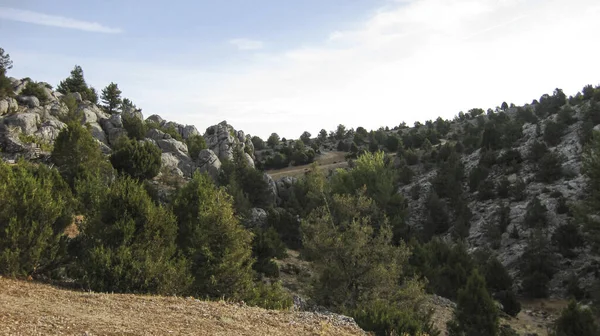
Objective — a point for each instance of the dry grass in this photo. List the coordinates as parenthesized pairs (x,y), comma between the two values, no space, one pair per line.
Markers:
(28,308)
(327,161)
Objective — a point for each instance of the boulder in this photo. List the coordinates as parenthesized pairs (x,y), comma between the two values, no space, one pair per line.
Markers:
(27,122)
(136,113)
(156,135)
(208,162)
(274,197)
(76,96)
(188,131)
(156,118)
(172,145)
(29,101)
(49,130)
(249,160)
(19,85)
(179,161)
(3,107)
(88,116)
(98,132)
(58,109)
(257,218)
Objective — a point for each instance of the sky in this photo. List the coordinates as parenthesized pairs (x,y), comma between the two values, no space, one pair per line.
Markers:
(290,66)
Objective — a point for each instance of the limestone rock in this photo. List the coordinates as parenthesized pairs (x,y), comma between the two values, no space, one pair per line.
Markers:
(223,139)
(49,130)
(29,101)
(179,161)
(27,122)
(98,132)
(114,134)
(257,218)
(272,188)
(156,118)
(172,145)
(208,162)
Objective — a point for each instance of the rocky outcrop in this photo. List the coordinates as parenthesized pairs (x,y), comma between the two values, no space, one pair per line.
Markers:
(257,218)
(208,162)
(274,198)
(49,130)
(223,140)
(27,122)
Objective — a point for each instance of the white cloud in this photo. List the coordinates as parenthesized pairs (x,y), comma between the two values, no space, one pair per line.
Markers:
(246,44)
(413,61)
(53,20)
(416,61)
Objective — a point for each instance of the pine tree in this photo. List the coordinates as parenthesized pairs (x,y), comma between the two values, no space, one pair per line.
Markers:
(111,97)
(76,83)
(212,238)
(5,62)
(475,313)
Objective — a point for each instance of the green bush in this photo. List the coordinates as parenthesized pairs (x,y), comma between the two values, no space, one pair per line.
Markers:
(267,245)
(136,128)
(138,159)
(258,143)
(566,238)
(266,296)
(535,216)
(518,191)
(549,168)
(485,191)
(553,133)
(537,150)
(129,246)
(537,266)
(475,312)
(77,155)
(214,241)
(576,321)
(196,144)
(36,90)
(383,319)
(35,208)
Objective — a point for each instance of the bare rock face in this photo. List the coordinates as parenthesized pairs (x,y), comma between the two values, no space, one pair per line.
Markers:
(223,140)
(49,130)
(274,196)
(208,162)
(257,218)
(29,101)
(8,105)
(27,122)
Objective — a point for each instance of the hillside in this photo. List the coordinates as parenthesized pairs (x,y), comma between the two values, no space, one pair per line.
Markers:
(28,308)
(487,221)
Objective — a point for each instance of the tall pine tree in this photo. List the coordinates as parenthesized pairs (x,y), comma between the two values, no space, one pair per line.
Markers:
(111,97)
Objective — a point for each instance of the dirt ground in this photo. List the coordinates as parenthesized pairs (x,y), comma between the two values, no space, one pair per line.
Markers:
(29,308)
(326,161)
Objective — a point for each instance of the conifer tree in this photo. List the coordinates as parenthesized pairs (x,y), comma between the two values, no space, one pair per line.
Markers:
(76,83)
(111,97)
(475,313)
(212,238)
(576,321)
(77,154)
(35,208)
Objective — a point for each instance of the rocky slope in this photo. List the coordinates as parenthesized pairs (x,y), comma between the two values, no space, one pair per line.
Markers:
(28,128)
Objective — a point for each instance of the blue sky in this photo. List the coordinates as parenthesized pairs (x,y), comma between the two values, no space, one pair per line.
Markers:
(288,66)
